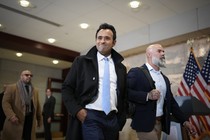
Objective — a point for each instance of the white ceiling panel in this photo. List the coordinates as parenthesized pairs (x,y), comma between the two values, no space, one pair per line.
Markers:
(60,19)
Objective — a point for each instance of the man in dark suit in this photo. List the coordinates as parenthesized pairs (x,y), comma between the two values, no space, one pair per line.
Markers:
(48,114)
(83,86)
(150,90)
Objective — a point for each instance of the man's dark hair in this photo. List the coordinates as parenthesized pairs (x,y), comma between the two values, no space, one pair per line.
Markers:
(107,26)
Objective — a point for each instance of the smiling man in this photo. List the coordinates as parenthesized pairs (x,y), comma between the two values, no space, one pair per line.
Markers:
(94,91)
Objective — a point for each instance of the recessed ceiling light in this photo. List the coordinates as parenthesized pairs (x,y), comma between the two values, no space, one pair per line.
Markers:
(55,61)
(135,4)
(24,3)
(2,27)
(51,40)
(19,54)
(84,25)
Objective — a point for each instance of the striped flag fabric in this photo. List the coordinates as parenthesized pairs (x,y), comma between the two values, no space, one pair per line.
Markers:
(191,70)
(201,90)
(206,75)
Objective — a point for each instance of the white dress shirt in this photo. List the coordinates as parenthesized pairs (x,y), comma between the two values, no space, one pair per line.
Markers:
(97,105)
(160,85)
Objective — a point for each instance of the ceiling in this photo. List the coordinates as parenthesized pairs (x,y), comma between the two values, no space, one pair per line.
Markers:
(60,19)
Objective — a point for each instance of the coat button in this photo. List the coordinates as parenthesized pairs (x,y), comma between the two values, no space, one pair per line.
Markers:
(94,78)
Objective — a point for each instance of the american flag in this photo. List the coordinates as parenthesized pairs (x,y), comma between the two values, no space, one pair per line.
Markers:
(191,70)
(201,90)
(205,72)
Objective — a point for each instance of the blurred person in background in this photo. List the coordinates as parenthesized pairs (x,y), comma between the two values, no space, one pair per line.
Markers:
(48,114)
(22,109)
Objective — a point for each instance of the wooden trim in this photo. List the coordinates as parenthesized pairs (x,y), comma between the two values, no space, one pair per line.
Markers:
(12,42)
(61,118)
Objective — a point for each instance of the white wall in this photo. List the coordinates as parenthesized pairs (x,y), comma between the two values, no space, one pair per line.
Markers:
(179,24)
(187,22)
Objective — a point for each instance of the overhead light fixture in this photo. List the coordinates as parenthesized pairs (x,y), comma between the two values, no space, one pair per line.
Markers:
(19,54)
(84,25)
(24,3)
(135,4)
(1,27)
(55,62)
(51,40)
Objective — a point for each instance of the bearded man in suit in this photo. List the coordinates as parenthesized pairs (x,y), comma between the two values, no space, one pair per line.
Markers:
(149,89)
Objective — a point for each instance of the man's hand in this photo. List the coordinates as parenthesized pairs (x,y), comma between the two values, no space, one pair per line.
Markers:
(49,120)
(190,128)
(81,115)
(154,94)
(14,120)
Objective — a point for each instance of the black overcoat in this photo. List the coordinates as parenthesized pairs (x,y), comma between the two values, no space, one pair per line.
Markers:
(81,87)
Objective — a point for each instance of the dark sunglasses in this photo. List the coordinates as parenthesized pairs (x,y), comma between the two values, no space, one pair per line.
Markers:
(28,75)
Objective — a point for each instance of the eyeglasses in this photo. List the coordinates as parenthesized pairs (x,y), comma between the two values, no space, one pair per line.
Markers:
(28,75)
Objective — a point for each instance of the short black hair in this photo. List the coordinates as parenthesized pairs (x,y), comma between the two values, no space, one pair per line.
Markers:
(107,26)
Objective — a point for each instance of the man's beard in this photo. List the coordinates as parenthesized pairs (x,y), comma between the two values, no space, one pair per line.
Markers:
(159,62)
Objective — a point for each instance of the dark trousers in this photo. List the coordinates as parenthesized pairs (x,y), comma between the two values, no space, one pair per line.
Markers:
(28,126)
(99,126)
(47,129)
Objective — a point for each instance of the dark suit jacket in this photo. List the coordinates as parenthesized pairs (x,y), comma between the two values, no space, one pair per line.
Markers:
(144,117)
(48,108)
(81,87)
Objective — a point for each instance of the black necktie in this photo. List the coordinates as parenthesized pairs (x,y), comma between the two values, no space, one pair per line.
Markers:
(27,88)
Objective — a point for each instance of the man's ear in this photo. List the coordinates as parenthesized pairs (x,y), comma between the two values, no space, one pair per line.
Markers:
(148,54)
(114,42)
